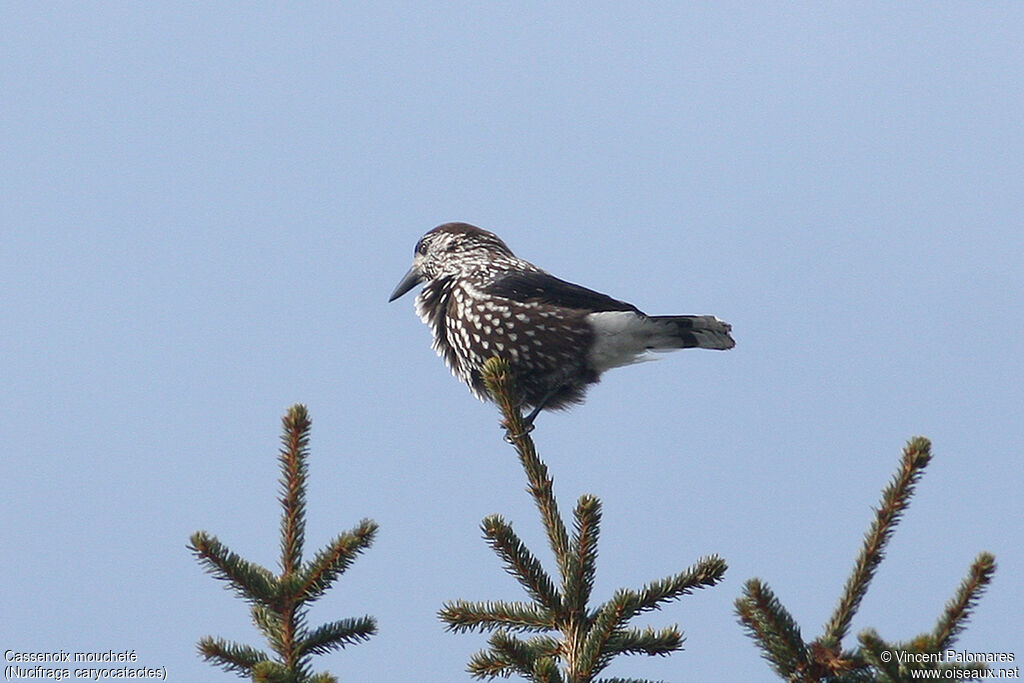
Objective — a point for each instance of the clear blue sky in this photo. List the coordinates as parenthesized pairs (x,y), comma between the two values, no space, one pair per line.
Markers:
(205,206)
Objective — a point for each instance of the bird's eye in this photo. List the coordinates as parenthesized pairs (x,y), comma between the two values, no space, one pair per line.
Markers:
(421,248)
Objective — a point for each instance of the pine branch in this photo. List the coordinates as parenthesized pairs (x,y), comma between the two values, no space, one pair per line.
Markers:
(871,649)
(247,579)
(583,559)
(895,498)
(611,617)
(958,610)
(491,664)
(625,604)
(772,628)
(545,670)
(509,655)
(270,624)
(875,661)
(272,672)
(951,623)
(278,603)
(293,457)
(646,641)
(501,385)
(337,634)
(593,655)
(462,616)
(332,561)
(232,657)
(707,572)
(588,639)
(833,664)
(890,669)
(323,678)
(521,563)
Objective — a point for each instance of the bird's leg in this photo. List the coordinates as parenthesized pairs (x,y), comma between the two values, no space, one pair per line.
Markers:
(528,420)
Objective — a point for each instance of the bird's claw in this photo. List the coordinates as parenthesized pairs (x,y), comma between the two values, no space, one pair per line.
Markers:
(511,437)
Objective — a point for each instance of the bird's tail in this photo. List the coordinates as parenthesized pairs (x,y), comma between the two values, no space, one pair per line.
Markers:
(691,331)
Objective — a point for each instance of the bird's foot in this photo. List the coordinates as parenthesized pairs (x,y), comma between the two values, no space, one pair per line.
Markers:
(512,437)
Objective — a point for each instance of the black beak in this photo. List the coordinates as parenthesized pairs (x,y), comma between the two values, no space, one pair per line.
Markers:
(411,279)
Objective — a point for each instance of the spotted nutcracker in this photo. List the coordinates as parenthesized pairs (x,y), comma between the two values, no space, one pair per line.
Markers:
(481,301)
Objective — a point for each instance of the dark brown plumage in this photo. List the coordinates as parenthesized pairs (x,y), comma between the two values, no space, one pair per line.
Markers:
(480,301)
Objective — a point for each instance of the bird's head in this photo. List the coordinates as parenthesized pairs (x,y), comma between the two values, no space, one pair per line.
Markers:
(452,250)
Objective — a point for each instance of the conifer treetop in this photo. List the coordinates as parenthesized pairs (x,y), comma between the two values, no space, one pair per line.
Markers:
(778,636)
(278,602)
(566,640)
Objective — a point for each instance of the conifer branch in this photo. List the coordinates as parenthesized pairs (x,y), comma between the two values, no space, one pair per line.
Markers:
(891,669)
(588,639)
(601,641)
(707,572)
(875,661)
(233,657)
(520,562)
(871,649)
(895,498)
(583,564)
(645,641)
(462,616)
(293,459)
(338,634)
(958,610)
(329,563)
(594,655)
(247,579)
(497,662)
(772,628)
(509,655)
(270,624)
(501,385)
(271,672)
(545,670)
(323,678)
(278,603)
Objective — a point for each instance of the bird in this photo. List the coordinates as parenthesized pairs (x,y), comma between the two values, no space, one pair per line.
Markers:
(480,300)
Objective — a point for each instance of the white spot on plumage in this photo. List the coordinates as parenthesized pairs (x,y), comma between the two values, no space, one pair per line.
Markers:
(471,300)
